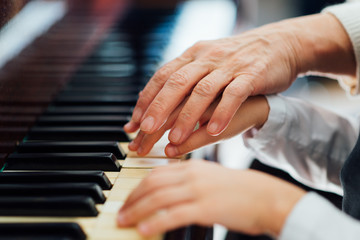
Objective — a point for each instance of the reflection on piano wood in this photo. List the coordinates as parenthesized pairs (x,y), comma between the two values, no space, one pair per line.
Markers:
(63,101)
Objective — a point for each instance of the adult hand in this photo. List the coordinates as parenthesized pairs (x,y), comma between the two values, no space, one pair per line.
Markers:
(199,192)
(253,113)
(261,61)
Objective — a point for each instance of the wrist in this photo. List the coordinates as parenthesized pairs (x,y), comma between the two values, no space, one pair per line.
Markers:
(264,109)
(322,45)
(280,206)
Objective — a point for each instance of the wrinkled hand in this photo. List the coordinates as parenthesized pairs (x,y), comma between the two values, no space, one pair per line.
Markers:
(253,113)
(261,61)
(199,192)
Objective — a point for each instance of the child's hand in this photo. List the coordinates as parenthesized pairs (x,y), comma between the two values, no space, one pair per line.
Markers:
(199,192)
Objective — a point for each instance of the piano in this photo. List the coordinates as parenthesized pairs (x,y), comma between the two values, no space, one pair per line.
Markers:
(70,72)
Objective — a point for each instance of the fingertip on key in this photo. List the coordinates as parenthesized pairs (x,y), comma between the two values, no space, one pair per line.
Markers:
(133,146)
(141,151)
(131,127)
(128,126)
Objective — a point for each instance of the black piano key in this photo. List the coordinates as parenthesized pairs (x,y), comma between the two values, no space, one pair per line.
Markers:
(89,110)
(85,120)
(69,147)
(97,177)
(80,206)
(53,189)
(62,161)
(41,231)
(78,134)
(121,100)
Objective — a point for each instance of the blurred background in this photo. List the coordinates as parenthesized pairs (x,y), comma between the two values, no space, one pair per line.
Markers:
(181,24)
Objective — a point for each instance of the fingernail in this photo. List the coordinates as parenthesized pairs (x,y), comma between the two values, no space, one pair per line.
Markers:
(137,114)
(148,124)
(172,151)
(175,135)
(213,128)
(144,228)
(128,125)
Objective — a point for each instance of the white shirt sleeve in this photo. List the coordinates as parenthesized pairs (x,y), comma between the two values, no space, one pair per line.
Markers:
(308,142)
(349,16)
(314,218)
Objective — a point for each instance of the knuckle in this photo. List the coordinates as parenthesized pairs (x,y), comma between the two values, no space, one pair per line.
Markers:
(225,113)
(185,57)
(186,116)
(199,45)
(157,107)
(262,67)
(144,99)
(249,86)
(259,69)
(262,40)
(218,51)
(162,74)
(233,91)
(204,88)
(178,80)
(236,89)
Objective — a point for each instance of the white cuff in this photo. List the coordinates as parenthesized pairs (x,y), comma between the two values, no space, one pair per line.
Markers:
(314,218)
(274,122)
(349,16)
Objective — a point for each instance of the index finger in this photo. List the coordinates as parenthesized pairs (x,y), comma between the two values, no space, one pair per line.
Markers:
(155,84)
(167,176)
(173,92)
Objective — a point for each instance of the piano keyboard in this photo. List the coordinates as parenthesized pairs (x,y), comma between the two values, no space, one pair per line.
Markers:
(63,102)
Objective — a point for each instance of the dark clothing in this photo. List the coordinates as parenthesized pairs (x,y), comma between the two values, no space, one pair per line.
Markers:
(350,180)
